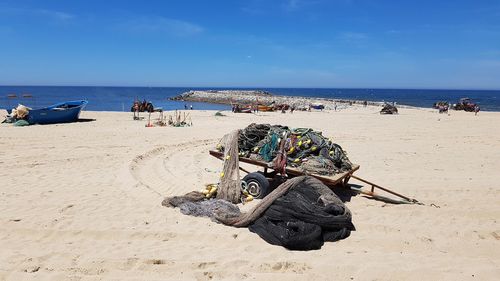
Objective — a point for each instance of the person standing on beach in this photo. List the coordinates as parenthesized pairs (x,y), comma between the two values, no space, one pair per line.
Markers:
(476,109)
(191,107)
(335,106)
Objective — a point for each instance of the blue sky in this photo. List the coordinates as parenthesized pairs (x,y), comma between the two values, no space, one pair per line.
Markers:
(252,43)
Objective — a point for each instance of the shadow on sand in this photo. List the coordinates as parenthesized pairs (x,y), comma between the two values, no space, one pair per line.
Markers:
(85,120)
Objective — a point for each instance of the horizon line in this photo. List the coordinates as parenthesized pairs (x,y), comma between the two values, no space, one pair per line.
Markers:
(264,87)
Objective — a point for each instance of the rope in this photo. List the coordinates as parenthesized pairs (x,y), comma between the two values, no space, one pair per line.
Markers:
(230,185)
(247,218)
(281,159)
(268,149)
(301,131)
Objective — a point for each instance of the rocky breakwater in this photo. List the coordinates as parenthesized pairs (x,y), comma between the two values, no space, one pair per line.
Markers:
(225,96)
(247,97)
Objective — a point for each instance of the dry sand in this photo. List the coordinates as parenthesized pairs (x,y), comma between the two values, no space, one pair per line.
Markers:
(82,201)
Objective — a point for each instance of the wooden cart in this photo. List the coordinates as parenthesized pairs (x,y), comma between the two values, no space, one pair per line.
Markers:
(259,184)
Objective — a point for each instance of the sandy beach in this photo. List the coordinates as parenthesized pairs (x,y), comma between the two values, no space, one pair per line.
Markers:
(82,201)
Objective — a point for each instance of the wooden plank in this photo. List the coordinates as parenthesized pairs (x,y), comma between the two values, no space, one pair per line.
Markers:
(330,180)
(221,157)
(384,189)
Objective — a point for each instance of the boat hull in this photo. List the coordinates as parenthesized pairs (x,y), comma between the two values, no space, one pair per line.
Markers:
(64,112)
(265,108)
(318,106)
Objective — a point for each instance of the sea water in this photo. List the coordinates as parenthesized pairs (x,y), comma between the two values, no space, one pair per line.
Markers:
(121,98)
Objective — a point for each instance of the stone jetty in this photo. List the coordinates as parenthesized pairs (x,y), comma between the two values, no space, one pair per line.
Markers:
(248,97)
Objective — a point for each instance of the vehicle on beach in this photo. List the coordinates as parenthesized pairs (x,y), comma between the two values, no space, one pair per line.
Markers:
(389,109)
(259,184)
(63,112)
(284,153)
(465,104)
(143,106)
(442,106)
(438,104)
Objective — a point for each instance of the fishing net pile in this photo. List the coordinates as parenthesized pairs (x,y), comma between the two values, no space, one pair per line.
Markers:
(18,116)
(300,214)
(196,204)
(388,109)
(302,148)
(305,217)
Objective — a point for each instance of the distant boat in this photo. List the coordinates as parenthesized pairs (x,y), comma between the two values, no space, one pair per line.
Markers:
(246,110)
(262,107)
(63,112)
(317,106)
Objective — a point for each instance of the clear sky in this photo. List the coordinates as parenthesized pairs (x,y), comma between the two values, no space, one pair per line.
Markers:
(254,43)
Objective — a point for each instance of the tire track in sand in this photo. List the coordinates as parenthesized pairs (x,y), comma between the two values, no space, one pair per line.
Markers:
(162,170)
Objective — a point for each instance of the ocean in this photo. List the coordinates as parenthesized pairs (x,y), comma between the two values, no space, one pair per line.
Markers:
(121,98)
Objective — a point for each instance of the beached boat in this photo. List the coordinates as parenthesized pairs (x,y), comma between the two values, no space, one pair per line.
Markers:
(262,107)
(242,108)
(319,106)
(246,110)
(63,112)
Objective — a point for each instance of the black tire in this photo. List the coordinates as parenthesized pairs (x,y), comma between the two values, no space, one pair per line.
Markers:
(257,185)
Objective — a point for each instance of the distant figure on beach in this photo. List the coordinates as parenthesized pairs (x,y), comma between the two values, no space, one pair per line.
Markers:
(191,107)
(443,108)
(185,106)
(365,103)
(292,108)
(335,106)
(476,109)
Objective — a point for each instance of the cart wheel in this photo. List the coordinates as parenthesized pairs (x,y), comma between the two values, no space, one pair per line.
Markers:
(257,185)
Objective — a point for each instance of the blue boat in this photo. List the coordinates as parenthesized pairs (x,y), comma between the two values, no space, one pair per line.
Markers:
(317,106)
(63,112)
